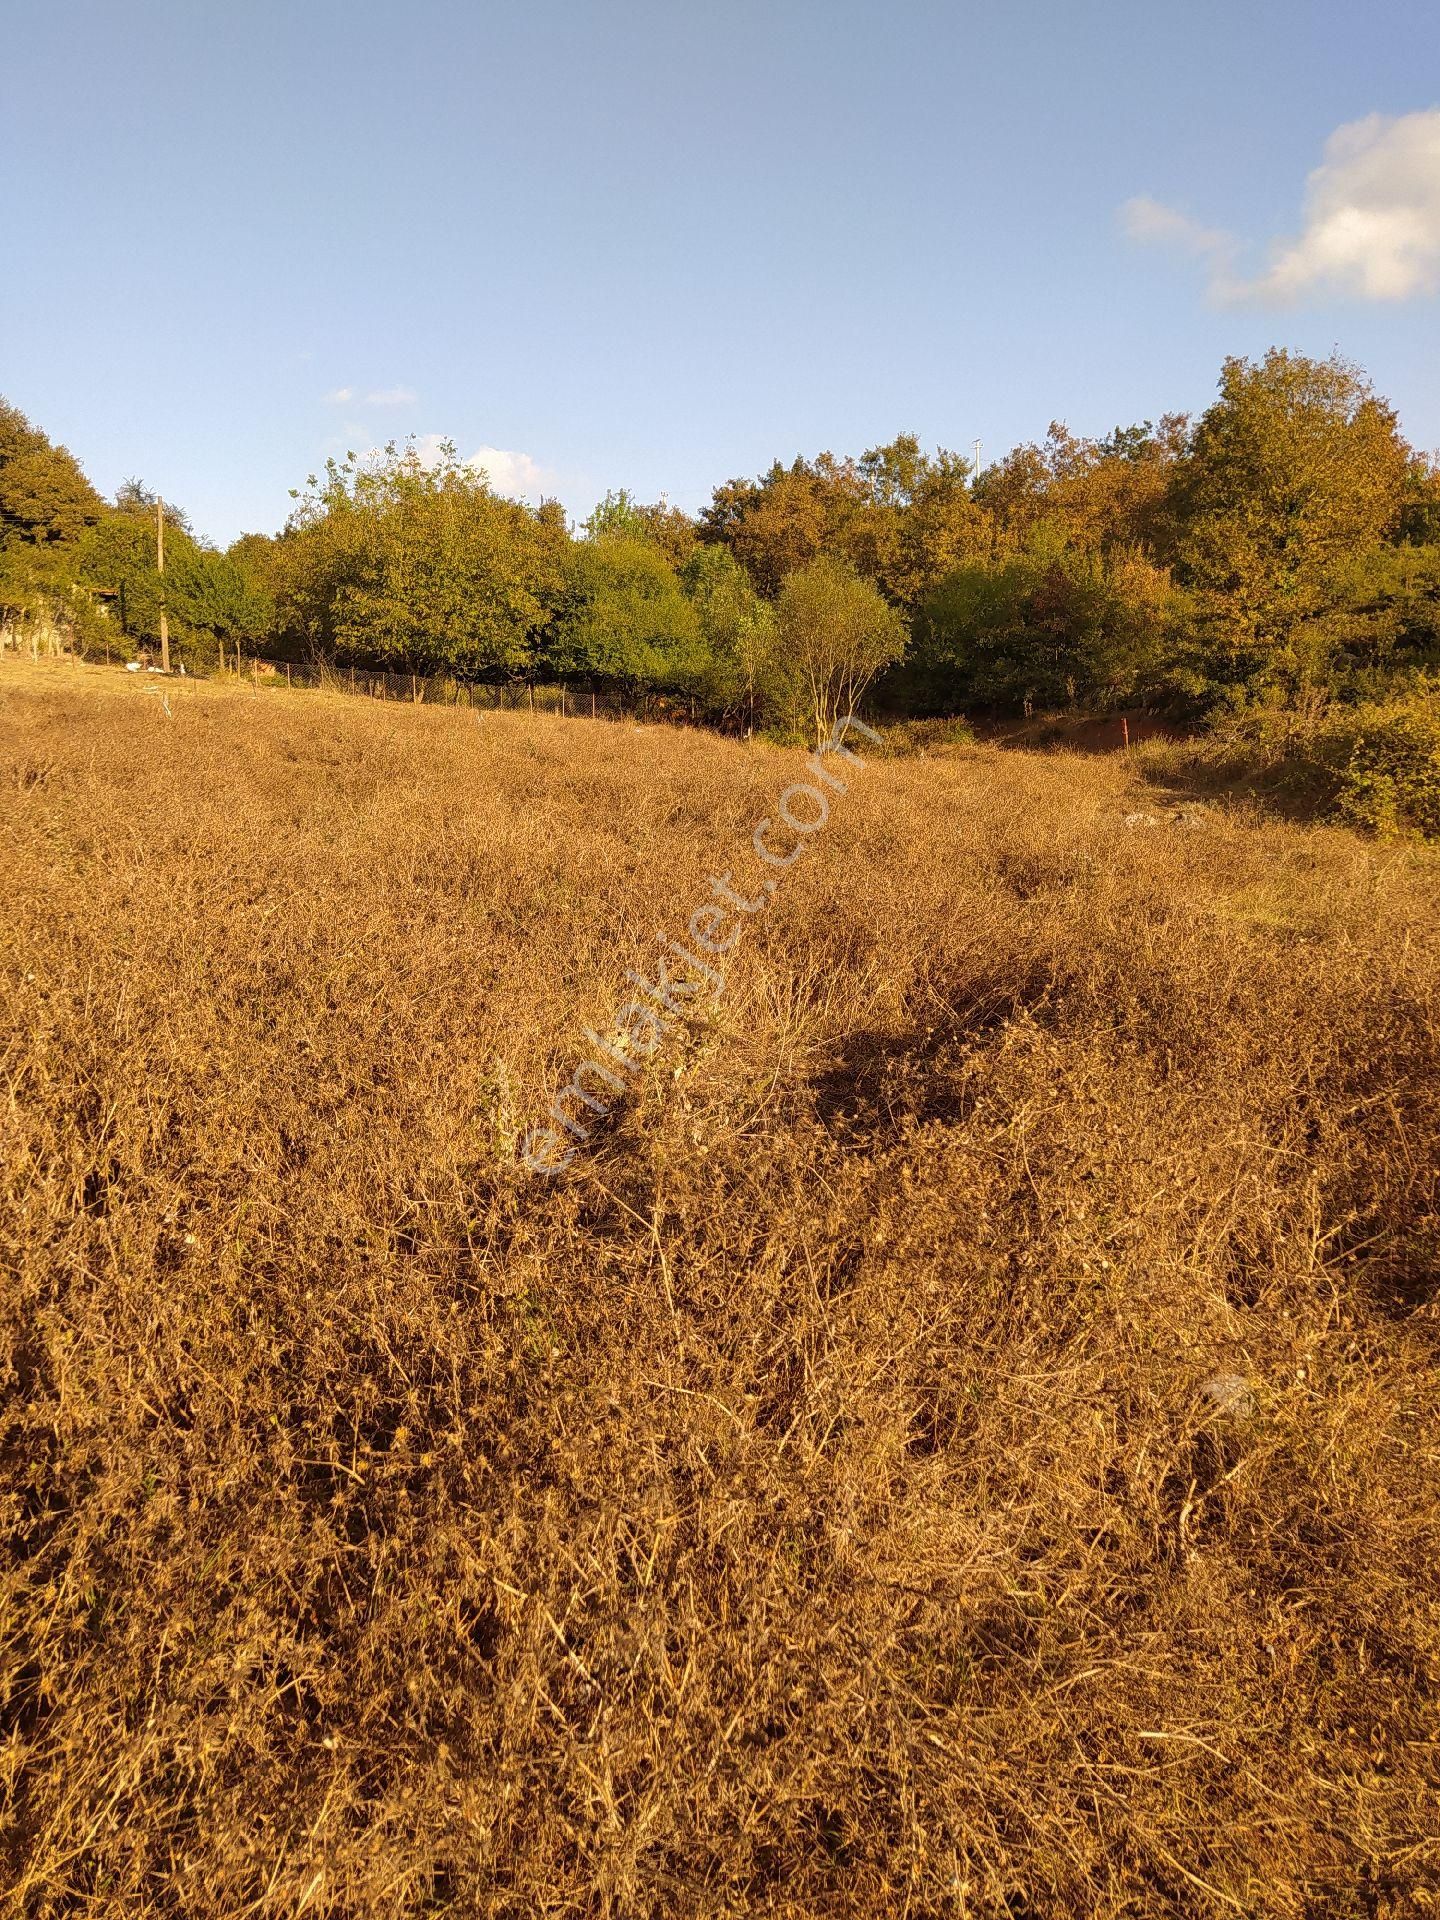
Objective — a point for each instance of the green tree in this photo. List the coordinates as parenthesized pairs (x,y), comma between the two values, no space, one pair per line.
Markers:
(668,529)
(46,504)
(208,598)
(404,563)
(45,499)
(1295,470)
(919,520)
(1094,496)
(1048,627)
(743,675)
(902,517)
(133,496)
(623,620)
(782,522)
(837,632)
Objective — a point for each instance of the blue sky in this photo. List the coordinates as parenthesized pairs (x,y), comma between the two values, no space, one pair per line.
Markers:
(656,245)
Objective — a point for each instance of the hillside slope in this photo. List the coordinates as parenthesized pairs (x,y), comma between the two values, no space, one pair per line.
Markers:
(958,1437)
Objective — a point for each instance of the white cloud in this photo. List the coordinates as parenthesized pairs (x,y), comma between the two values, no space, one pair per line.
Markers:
(519,476)
(377,397)
(515,474)
(1370,221)
(1151,222)
(1372,214)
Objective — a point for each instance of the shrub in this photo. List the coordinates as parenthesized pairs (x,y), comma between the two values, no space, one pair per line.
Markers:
(1388,762)
(1375,765)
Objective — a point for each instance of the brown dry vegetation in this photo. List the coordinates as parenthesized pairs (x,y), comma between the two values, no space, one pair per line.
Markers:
(814,1504)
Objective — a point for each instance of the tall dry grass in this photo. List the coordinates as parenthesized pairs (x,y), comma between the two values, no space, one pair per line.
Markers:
(962,1444)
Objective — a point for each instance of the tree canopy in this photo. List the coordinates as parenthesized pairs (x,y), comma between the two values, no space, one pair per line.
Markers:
(399,562)
(1287,540)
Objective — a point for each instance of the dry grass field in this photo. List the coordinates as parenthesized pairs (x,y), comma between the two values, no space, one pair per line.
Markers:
(959,1441)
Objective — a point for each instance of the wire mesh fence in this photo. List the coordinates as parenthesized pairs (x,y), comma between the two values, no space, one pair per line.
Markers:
(563,698)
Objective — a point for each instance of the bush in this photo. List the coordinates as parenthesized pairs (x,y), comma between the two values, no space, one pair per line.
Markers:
(623,620)
(1388,765)
(928,736)
(1374,765)
(1050,627)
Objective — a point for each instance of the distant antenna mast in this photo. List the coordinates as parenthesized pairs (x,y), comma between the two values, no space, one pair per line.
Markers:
(975,470)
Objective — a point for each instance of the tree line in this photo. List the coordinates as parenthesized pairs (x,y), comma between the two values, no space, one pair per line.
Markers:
(1282,545)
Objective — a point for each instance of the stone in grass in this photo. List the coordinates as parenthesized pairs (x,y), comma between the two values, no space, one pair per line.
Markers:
(1231,1395)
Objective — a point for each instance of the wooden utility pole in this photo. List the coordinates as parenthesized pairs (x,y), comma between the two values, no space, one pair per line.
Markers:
(160,569)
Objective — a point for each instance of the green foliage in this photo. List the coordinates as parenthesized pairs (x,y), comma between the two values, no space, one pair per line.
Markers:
(1095,496)
(624,621)
(665,527)
(837,631)
(1046,628)
(779,524)
(44,497)
(1373,764)
(1284,548)
(743,677)
(208,597)
(1384,616)
(1294,470)
(900,516)
(394,562)
(133,496)
(1387,759)
(46,504)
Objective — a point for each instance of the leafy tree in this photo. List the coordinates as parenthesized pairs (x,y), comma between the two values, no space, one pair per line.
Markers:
(402,563)
(919,520)
(901,516)
(207,597)
(254,555)
(743,675)
(837,631)
(1051,627)
(1420,507)
(133,496)
(779,524)
(1095,496)
(1384,616)
(623,620)
(45,499)
(46,503)
(667,528)
(1296,469)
